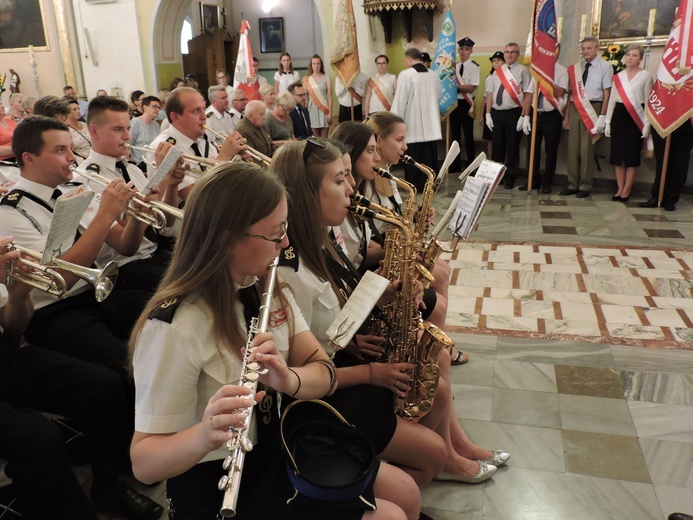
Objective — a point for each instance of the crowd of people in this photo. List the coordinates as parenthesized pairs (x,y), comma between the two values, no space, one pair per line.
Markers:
(148,374)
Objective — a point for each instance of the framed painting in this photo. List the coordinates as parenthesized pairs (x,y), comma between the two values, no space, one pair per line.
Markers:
(624,22)
(209,17)
(22,24)
(271,35)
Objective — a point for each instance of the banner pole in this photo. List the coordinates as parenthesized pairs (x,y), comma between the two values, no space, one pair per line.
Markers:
(665,167)
(533,139)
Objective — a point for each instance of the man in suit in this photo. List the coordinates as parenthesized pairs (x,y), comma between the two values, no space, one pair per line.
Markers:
(300,115)
(252,127)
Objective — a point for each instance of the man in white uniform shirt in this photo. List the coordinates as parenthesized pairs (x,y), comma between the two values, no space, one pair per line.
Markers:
(506,116)
(238,99)
(353,96)
(380,89)
(416,101)
(596,77)
(462,118)
(218,119)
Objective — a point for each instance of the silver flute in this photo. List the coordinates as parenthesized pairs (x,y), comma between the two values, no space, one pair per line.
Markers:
(250,373)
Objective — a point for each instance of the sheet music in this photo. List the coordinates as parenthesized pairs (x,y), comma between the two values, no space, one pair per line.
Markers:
(69,209)
(452,153)
(357,308)
(473,193)
(491,171)
(473,166)
(169,162)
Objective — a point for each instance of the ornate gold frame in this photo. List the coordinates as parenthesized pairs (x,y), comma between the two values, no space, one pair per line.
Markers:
(46,47)
(606,40)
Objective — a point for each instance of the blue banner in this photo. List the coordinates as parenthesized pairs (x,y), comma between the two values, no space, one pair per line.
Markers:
(444,65)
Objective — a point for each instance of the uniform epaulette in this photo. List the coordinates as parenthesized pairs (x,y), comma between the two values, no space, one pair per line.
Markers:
(12,198)
(289,257)
(475,63)
(209,114)
(171,140)
(166,310)
(72,183)
(94,168)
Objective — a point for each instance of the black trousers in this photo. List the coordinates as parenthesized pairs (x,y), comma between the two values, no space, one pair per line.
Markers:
(345,113)
(679,162)
(548,127)
(91,396)
(425,153)
(506,141)
(462,123)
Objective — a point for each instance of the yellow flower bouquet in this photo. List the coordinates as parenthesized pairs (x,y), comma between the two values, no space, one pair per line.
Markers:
(614,55)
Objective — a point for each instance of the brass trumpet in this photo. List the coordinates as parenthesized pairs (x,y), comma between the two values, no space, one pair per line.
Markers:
(191,160)
(159,210)
(49,280)
(257,156)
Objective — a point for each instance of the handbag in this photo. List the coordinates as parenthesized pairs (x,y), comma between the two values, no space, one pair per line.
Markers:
(327,459)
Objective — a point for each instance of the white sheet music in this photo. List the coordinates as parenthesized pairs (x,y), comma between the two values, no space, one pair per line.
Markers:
(356,310)
(69,209)
(465,215)
(169,162)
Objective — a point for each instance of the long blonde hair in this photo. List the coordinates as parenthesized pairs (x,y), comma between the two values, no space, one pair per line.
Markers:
(221,208)
(382,124)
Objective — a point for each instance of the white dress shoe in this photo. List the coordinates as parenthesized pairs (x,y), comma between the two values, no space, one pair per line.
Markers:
(499,458)
(485,472)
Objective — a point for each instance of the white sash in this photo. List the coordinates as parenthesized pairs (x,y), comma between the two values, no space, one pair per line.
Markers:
(465,95)
(510,83)
(582,104)
(636,111)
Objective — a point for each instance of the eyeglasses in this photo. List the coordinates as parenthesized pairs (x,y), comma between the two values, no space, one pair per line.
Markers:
(311,144)
(381,63)
(275,240)
(156,107)
(511,52)
(301,95)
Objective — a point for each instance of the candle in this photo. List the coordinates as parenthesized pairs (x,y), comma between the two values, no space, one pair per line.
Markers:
(651,22)
(31,52)
(583,27)
(559,29)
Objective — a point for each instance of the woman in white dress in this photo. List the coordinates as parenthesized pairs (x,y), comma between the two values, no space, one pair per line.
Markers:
(286,75)
(319,89)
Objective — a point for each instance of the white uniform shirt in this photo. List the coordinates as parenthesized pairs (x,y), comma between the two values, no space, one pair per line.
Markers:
(640,86)
(184,143)
(416,101)
(384,201)
(315,298)
(219,122)
(179,366)
(389,81)
(344,97)
(599,77)
(32,233)
(107,168)
(285,79)
(560,79)
(353,237)
(470,76)
(523,78)
(236,117)
(9,175)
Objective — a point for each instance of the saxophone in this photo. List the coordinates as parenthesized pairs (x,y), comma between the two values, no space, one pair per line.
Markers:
(401,321)
(250,372)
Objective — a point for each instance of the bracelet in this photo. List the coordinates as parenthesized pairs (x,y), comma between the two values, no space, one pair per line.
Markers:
(370,365)
(299,382)
(333,375)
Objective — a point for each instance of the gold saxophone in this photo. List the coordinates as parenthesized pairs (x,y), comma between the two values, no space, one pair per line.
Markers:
(410,339)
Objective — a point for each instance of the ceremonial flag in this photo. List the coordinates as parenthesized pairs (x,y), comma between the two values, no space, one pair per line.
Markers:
(444,65)
(686,48)
(544,47)
(345,48)
(670,103)
(244,75)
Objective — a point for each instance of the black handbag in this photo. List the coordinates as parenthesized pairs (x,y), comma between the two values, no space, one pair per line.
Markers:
(328,460)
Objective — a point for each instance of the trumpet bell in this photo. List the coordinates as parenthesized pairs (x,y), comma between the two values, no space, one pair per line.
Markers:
(103,280)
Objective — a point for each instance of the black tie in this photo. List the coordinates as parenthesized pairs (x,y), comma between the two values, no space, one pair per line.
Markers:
(499,94)
(196,149)
(56,194)
(123,170)
(461,69)
(250,300)
(540,102)
(584,73)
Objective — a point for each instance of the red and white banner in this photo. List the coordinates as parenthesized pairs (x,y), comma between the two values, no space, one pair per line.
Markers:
(545,47)
(671,99)
(582,104)
(243,75)
(686,48)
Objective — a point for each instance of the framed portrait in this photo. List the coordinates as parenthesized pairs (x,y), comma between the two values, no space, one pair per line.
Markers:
(271,34)
(209,17)
(22,24)
(625,21)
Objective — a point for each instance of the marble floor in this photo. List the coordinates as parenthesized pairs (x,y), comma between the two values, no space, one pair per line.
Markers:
(593,399)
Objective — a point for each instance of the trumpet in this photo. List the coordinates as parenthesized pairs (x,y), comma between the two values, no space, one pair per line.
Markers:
(49,280)
(159,210)
(190,160)
(257,156)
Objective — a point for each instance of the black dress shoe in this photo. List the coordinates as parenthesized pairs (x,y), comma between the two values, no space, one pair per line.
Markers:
(568,191)
(509,185)
(680,516)
(582,194)
(546,189)
(624,199)
(649,203)
(127,502)
(669,206)
(522,188)
(616,198)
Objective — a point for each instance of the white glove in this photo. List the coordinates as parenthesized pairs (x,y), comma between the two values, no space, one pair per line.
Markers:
(646,130)
(489,121)
(526,125)
(518,126)
(601,123)
(607,130)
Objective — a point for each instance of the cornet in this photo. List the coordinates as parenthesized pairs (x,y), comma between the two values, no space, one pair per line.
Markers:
(156,211)
(191,160)
(257,156)
(49,280)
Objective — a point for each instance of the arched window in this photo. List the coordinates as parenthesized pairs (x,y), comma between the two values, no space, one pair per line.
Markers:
(185,36)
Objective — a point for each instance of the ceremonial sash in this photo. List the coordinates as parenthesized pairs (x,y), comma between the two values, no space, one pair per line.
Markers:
(548,96)
(465,95)
(510,83)
(584,107)
(626,92)
(316,94)
(381,91)
(355,94)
